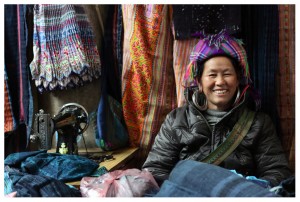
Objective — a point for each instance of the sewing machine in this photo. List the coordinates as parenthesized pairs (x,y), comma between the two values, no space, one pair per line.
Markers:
(71,121)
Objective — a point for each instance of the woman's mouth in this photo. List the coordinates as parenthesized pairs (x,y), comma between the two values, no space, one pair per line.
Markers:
(220,92)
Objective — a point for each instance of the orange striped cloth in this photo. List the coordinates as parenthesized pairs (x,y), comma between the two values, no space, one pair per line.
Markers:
(8,116)
(148,90)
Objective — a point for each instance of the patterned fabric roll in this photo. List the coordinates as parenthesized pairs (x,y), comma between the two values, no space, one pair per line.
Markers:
(65,51)
(148,90)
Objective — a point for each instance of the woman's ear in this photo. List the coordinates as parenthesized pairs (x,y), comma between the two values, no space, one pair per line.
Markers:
(199,83)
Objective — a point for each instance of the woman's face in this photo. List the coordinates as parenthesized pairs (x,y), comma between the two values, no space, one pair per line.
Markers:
(219,82)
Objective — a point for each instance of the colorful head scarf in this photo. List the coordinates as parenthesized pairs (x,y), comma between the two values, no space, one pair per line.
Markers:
(213,45)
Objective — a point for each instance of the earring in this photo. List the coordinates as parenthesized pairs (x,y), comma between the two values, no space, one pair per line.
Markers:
(199,100)
(237,97)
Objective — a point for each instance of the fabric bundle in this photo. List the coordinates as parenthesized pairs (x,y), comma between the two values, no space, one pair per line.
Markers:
(65,52)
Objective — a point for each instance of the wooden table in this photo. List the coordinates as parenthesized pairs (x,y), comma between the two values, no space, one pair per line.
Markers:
(121,158)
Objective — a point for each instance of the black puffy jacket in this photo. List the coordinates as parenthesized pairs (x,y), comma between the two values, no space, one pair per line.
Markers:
(185,134)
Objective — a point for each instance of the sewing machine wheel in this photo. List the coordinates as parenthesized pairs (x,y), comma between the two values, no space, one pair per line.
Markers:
(81,114)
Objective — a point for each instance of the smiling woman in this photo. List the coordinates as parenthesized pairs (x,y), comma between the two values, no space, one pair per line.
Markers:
(221,123)
(219,82)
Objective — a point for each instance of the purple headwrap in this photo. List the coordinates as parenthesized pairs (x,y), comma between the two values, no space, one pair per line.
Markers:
(213,45)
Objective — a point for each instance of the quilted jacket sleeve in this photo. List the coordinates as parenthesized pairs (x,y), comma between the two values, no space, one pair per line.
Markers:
(164,153)
(272,164)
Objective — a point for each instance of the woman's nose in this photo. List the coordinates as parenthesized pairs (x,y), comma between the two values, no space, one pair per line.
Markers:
(220,80)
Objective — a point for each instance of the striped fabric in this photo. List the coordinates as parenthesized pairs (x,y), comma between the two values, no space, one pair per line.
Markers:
(181,53)
(65,51)
(217,44)
(17,82)
(286,79)
(148,90)
(8,113)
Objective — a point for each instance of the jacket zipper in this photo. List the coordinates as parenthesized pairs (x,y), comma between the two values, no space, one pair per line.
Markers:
(212,147)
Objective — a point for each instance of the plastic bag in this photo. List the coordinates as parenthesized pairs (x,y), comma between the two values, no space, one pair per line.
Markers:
(120,183)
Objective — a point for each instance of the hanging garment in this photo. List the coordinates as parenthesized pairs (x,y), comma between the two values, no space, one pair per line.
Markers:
(18,115)
(111,131)
(65,52)
(148,90)
(210,19)
(111,55)
(118,39)
(181,58)
(262,50)
(286,78)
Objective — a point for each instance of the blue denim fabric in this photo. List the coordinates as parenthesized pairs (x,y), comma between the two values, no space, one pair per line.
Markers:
(61,167)
(195,179)
(27,185)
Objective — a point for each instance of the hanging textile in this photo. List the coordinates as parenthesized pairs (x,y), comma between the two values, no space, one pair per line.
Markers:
(262,49)
(118,41)
(8,114)
(17,84)
(286,79)
(148,90)
(210,19)
(271,53)
(111,55)
(111,130)
(65,52)
(181,55)
(97,15)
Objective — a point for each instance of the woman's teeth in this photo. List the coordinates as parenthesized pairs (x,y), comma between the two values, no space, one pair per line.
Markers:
(220,91)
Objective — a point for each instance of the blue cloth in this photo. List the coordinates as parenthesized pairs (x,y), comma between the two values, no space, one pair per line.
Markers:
(61,167)
(195,179)
(27,185)
(8,184)
(263,183)
(16,159)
